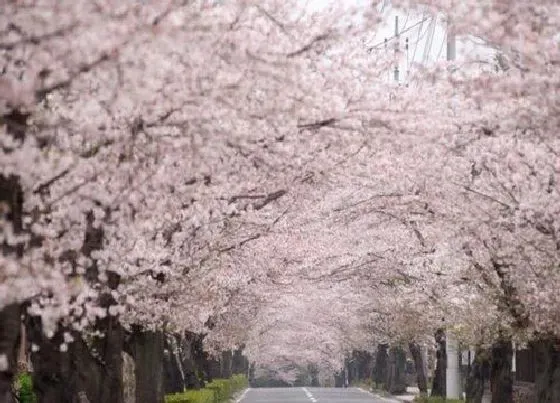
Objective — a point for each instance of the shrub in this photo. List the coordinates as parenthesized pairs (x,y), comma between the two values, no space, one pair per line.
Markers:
(436,399)
(24,387)
(222,389)
(217,391)
(192,396)
(238,382)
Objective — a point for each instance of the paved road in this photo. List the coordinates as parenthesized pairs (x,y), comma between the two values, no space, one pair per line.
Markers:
(310,395)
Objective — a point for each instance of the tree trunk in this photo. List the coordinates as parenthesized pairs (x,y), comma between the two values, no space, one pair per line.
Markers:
(238,362)
(226,364)
(11,195)
(501,379)
(350,370)
(110,347)
(69,376)
(339,379)
(174,376)
(148,358)
(396,376)
(251,372)
(476,377)
(129,379)
(62,377)
(439,383)
(370,367)
(187,360)
(381,362)
(419,365)
(361,368)
(214,366)
(313,374)
(547,380)
(9,334)
(200,358)
(22,355)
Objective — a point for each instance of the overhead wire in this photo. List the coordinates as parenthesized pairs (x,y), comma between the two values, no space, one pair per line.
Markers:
(418,39)
(429,40)
(442,43)
(405,22)
(382,43)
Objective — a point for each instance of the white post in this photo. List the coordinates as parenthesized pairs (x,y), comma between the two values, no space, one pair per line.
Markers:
(514,360)
(453,379)
(397,43)
(424,352)
(450,43)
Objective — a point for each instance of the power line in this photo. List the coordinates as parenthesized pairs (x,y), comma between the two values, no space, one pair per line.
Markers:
(418,37)
(375,47)
(441,47)
(429,40)
(405,22)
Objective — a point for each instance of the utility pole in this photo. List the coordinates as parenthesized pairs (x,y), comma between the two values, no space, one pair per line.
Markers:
(453,381)
(397,40)
(451,51)
(453,373)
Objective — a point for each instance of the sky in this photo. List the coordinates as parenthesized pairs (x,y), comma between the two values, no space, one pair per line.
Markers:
(426,37)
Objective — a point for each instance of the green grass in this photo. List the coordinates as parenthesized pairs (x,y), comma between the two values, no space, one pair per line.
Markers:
(24,387)
(436,399)
(217,391)
(192,396)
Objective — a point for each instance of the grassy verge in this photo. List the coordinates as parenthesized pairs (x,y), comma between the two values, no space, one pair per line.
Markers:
(24,388)
(436,399)
(217,391)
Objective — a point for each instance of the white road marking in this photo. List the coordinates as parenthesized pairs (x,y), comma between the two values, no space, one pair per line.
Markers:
(309,395)
(242,396)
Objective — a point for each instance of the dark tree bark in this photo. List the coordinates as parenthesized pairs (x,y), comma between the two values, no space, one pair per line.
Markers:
(215,368)
(111,386)
(60,377)
(381,364)
(9,335)
(251,372)
(148,357)
(547,381)
(476,376)
(396,376)
(190,370)
(361,366)
(226,362)
(11,206)
(439,385)
(338,379)
(90,368)
(239,362)
(501,379)
(419,365)
(369,367)
(313,372)
(200,358)
(350,370)
(173,370)
(65,377)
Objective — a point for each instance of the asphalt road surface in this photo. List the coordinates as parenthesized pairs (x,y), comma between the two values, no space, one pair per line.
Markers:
(310,395)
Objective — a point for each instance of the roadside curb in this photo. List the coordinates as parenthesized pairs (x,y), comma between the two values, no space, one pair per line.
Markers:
(238,397)
(388,399)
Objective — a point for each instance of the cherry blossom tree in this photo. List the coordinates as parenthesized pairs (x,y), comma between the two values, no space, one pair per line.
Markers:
(241,170)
